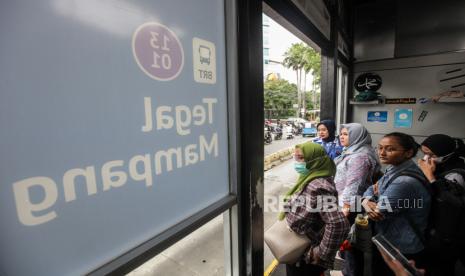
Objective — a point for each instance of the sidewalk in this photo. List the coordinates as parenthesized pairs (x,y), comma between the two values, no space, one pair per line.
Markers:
(277,181)
(202,252)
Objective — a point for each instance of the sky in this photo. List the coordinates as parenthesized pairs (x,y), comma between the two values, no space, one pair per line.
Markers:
(280,40)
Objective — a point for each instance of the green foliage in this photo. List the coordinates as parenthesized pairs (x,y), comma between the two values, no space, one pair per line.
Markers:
(280,95)
(309,96)
(302,57)
(304,60)
(313,65)
(294,56)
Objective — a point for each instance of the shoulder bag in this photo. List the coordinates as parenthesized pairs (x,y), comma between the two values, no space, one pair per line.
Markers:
(286,245)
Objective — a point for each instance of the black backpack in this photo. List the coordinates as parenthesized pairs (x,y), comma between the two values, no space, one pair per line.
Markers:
(446,221)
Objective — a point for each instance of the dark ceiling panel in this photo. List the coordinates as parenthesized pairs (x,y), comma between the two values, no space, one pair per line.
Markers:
(428,27)
(374,31)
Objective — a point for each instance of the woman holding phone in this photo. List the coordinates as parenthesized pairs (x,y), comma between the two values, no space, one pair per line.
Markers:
(442,158)
(398,202)
(444,167)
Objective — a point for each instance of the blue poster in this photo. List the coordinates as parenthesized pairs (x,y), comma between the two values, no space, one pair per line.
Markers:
(403,118)
(377,116)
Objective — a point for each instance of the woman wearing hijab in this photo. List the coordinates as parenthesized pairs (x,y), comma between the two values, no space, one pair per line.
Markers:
(444,168)
(326,226)
(355,169)
(327,138)
(442,158)
(355,166)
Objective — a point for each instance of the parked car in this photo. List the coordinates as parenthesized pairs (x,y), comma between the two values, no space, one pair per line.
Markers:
(296,120)
(309,130)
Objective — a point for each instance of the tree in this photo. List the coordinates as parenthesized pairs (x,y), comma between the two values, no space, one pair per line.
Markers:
(304,59)
(313,66)
(294,59)
(279,96)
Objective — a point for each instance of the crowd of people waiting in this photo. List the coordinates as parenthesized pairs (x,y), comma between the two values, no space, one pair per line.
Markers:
(386,184)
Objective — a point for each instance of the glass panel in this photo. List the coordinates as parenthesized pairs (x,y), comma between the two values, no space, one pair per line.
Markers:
(341,97)
(266,52)
(200,253)
(292,97)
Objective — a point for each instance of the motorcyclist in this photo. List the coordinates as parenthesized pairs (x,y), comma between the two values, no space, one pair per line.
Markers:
(268,137)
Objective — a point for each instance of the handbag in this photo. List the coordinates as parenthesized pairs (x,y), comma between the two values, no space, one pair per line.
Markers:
(286,245)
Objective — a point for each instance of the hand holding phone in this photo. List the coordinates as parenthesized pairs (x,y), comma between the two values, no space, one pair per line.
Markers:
(428,167)
(426,157)
(394,259)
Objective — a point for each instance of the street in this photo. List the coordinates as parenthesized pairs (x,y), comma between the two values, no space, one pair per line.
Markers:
(277,145)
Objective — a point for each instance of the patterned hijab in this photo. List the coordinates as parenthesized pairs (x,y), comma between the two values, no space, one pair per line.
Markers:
(359,141)
(319,165)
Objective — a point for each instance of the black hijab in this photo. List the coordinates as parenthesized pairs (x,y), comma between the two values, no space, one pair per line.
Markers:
(442,145)
(331,126)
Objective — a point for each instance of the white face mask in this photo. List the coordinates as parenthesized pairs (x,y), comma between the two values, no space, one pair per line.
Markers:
(437,160)
(442,159)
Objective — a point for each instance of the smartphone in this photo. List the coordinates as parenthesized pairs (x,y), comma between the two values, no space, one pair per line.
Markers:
(426,157)
(385,246)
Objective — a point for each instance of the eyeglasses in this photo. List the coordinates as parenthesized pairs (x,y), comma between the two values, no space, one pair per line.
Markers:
(387,149)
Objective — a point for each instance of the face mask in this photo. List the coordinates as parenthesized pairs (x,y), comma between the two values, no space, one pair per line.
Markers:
(442,159)
(437,160)
(300,168)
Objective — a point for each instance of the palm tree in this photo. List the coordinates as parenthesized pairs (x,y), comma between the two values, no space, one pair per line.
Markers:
(313,66)
(294,58)
(303,59)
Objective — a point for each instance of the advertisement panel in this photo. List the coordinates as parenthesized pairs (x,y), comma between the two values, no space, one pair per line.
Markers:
(114,127)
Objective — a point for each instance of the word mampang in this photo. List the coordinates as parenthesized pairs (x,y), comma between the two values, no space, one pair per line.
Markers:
(115,173)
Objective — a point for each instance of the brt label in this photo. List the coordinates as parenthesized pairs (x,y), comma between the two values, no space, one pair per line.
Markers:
(204,55)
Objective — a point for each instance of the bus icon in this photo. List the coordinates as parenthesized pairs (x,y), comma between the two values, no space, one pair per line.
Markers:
(204,61)
(205,54)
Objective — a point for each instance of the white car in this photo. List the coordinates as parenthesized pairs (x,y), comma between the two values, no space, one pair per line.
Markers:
(297,120)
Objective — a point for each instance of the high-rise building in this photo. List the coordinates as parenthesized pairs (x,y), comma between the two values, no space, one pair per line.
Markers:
(276,41)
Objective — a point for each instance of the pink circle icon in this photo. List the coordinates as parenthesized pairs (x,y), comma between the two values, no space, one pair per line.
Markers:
(158,51)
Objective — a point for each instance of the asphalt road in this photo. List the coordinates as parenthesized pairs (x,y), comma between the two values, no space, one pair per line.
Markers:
(277,145)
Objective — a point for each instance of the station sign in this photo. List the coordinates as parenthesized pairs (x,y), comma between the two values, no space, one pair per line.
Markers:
(114,127)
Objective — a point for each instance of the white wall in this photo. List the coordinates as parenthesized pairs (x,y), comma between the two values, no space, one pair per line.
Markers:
(413,78)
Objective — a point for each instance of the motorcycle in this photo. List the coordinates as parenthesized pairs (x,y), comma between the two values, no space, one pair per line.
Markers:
(268,138)
(288,133)
(278,133)
(298,129)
